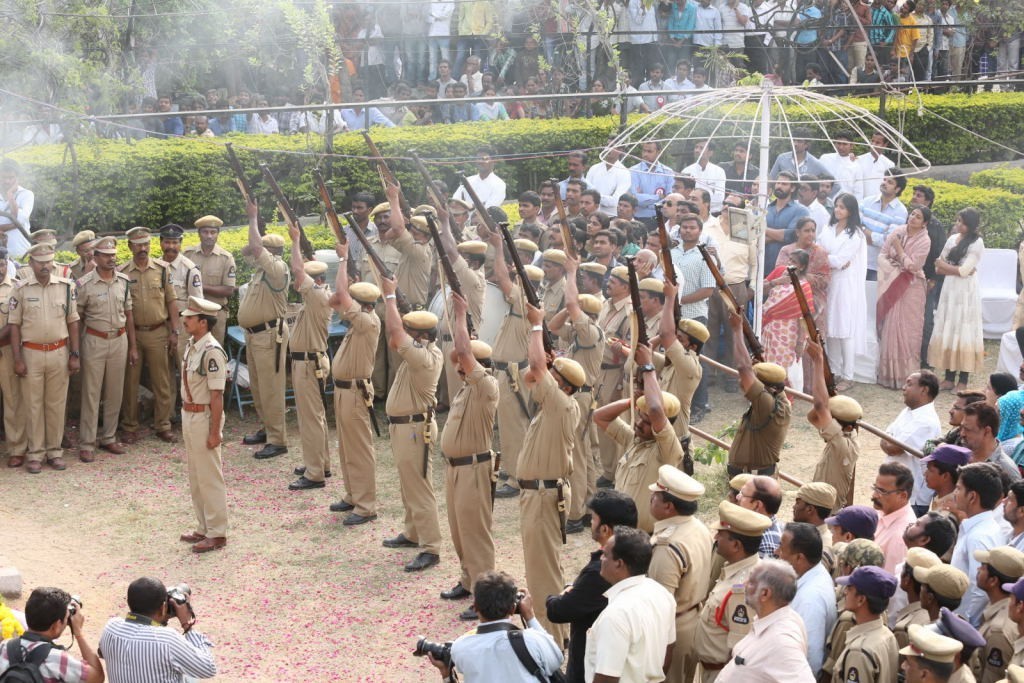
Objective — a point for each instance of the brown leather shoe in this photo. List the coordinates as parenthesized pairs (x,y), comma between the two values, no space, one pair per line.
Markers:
(191,537)
(115,448)
(16,461)
(86,456)
(208,544)
(130,437)
(167,436)
(34,467)
(57,463)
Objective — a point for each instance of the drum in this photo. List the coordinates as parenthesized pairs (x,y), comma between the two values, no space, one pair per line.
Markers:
(495,309)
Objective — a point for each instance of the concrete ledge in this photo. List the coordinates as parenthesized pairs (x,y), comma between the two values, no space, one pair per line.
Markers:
(10,579)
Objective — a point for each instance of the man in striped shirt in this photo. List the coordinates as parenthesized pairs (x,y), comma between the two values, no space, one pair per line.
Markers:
(140,649)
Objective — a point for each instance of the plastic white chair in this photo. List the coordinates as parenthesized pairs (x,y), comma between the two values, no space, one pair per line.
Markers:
(997,279)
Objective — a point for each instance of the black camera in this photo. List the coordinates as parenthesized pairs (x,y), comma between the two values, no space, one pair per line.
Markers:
(442,652)
(74,605)
(178,594)
(519,599)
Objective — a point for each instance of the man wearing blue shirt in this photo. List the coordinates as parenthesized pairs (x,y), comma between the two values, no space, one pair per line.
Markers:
(652,181)
(798,161)
(782,217)
(173,125)
(882,213)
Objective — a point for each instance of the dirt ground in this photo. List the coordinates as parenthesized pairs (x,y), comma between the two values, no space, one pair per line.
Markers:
(296,596)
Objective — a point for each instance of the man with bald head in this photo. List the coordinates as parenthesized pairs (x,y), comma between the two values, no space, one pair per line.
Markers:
(764,495)
(647,265)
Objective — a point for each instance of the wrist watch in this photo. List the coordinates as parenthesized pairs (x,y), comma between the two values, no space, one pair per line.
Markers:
(76,354)
(646,368)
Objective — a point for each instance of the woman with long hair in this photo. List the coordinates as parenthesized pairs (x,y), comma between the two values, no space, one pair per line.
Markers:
(1003,394)
(957,344)
(902,288)
(783,335)
(847,251)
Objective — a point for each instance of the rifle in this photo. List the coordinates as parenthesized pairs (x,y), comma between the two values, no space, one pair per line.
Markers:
(386,176)
(287,212)
(666,260)
(432,192)
(446,266)
(478,205)
(812,330)
(756,350)
(385,272)
(334,221)
(524,281)
(568,243)
(243,185)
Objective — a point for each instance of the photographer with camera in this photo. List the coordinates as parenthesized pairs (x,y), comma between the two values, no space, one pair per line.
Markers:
(140,649)
(48,612)
(489,652)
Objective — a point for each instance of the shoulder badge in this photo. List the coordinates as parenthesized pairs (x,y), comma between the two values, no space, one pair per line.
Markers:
(995,658)
(211,365)
(196,280)
(740,616)
(852,676)
(12,304)
(231,271)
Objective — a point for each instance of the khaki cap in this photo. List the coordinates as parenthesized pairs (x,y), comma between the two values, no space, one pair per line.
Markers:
(364,292)
(924,642)
(105,245)
(621,273)
(419,224)
(571,371)
(83,237)
(474,247)
(740,480)
(424,209)
(740,520)
(590,304)
(42,252)
(1006,560)
(770,373)
(534,273)
(481,350)
(594,267)
(554,256)
(383,207)
(922,557)
(845,409)
(209,221)
(314,268)
(455,201)
(523,244)
(818,493)
(420,320)
(677,483)
(943,579)
(650,284)
(139,235)
(669,402)
(695,329)
(44,235)
(199,306)
(273,241)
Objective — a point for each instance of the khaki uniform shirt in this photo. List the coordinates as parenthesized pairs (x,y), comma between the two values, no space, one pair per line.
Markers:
(7,286)
(310,331)
(836,642)
(989,663)
(59,269)
(838,462)
(43,311)
(205,366)
(266,298)
(415,386)
(474,287)
(413,272)
(585,342)
(638,467)
(547,446)
(102,304)
(217,269)
(151,290)
(962,675)
(653,325)
(909,615)
(682,555)
(185,279)
(77,269)
(614,320)
(725,617)
(870,656)
(552,298)
(680,377)
(470,424)
(514,334)
(355,356)
(762,430)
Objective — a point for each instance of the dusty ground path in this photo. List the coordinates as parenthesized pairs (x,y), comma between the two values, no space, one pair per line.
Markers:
(296,596)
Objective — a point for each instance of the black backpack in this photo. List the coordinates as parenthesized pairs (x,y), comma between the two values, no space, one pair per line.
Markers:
(21,669)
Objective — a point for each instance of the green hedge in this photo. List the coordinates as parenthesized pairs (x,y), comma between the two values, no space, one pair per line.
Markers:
(1000,210)
(1003,178)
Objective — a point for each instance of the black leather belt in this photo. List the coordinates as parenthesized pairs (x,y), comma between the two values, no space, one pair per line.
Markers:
(539,484)
(305,355)
(470,459)
(586,388)
(256,329)
(501,365)
(349,383)
(610,366)
(406,419)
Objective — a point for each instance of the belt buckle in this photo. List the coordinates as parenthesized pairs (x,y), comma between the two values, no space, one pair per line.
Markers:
(113,334)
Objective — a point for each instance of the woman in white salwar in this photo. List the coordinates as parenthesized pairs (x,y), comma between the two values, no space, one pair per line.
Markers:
(847,251)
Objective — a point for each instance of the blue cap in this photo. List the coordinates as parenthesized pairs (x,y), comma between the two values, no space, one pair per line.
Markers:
(172,231)
(956,627)
(950,455)
(859,520)
(1015,589)
(872,581)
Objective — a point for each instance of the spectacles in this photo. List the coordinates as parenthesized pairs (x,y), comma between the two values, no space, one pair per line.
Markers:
(670,203)
(882,492)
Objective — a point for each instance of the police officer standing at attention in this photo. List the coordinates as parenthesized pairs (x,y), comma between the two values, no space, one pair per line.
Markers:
(10,384)
(44,341)
(155,315)
(83,244)
(203,375)
(466,445)
(307,349)
(217,267)
(261,314)
(413,430)
(871,654)
(352,369)
(185,277)
(105,306)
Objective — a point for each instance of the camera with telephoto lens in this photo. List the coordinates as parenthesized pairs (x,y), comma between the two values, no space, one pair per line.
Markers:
(74,605)
(442,652)
(178,595)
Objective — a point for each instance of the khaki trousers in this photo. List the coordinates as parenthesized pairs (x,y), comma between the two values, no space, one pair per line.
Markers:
(153,356)
(684,663)
(421,519)
(205,475)
(583,479)
(542,540)
(309,404)
(14,408)
(44,392)
(512,422)
(468,494)
(355,449)
(103,368)
(610,384)
(220,331)
(267,369)
(385,364)
(709,676)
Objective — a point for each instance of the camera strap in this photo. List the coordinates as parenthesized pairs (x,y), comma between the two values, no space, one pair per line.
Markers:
(497,626)
(134,618)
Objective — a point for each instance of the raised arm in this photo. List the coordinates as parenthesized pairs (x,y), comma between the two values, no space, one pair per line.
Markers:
(535,351)
(652,391)
(667,327)
(255,246)
(501,276)
(397,336)
(298,271)
(463,350)
(740,355)
(397,220)
(820,415)
(341,299)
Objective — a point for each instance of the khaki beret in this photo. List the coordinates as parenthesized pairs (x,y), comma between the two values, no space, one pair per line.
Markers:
(364,292)
(590,304)
(650,284)
(1006,560)
(420,320)
(818,493)
(621,273)
(199,306)
(534,273)
(481,349)
(677,483)
(770,373)
(523,244)
(105,245)
(42,252)
(695,329)
(594,267)
(845,409)
(273,241)
(740,520)
(571,371)
(475,247)
(424,209)
(83,237)
(44,235)
(419,224)
(554,256)
(669,402)
(210,221)
(139,235)
(921,557)
(943,579)
(383,207)
(461,203)
(926,643)
(314,268)
(740,480)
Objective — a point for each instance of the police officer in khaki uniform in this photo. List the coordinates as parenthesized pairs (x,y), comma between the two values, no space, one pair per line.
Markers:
(45,236)
(217,267)
(681,559)
(44,342)
(871,653)
(614,320)
(262,315)
(552,290)
(466,445)
(385,364)
(959,629)
(913,613)
(652,301)
(155,315)
(105,307)
(544,466)
(412,240)
(835,418)
(351,370)
(928,656)
(592,276)
(413,430)
(1000,565)
(725,617)
(311,367)
(185,277)
(10,384)
(814,503)
(204,374)
(83,244)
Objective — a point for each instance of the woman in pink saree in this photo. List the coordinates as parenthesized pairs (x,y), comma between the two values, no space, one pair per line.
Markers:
(782,334)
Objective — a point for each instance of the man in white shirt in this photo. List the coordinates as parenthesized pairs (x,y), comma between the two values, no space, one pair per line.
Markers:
(632,639)
(807,195)
(915,424)
(708,25)
(681,81)
(610,178)
(643,20)
(488,186)
(842,164)
(815,599)
(978,490)
(708,175)
(873,166)
(17,202)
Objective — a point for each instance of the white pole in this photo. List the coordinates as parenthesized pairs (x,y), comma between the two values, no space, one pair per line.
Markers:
(762,200)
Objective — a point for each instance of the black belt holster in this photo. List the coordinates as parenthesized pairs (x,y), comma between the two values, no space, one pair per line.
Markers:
(561,510)
(687,455)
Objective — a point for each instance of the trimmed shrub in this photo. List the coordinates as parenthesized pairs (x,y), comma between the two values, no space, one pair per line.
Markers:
(1000,210)
(1006,178)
